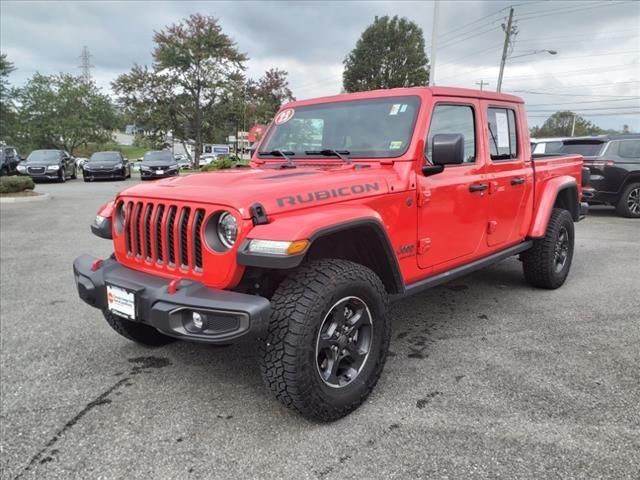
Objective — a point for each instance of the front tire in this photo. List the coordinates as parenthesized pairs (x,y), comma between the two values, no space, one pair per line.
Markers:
(547,263)
(629,203)
(137,332)
(327,339)
(63,177)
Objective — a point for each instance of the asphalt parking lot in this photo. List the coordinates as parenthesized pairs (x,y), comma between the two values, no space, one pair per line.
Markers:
(487,377)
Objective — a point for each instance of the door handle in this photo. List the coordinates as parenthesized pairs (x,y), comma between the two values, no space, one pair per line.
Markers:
(517,181)
(478,187)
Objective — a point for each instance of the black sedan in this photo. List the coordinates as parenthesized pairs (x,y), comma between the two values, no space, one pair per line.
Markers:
(49,165)
(158,164)
(107,165)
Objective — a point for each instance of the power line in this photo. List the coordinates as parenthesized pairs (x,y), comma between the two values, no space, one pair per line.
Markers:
(542,110)
(585,71)
(575,102)
(564,10)
(615,114)
(555,94)
(610,54)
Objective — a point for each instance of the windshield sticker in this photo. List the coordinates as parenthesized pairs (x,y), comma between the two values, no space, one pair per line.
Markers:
(395,108)
(503,129)
(395,145)
(403,108)
(284,116)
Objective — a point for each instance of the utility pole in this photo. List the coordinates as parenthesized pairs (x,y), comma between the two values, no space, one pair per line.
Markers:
(573,125)
(505,49)
(85,65)
(482,83)
(434,39)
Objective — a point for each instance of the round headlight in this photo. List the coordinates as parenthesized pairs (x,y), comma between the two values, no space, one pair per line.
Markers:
(227,229)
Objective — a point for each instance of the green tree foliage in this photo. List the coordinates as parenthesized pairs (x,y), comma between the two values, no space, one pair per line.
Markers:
(196,88)
(62,111)
(268,94)
(7,111)
(560,124)
(390,53)
(198,58)
(147,99)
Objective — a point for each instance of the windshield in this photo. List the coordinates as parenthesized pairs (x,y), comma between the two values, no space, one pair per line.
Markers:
(105,157)
(158,157)
(374,128)
(44,156)
(586,149)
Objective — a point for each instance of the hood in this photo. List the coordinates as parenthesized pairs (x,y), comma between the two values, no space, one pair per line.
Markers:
(278,190)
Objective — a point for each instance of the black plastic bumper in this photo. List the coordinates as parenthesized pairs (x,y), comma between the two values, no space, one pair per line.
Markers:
(227,315)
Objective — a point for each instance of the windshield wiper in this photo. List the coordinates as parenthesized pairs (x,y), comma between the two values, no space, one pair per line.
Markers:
(330,152)
(284,154)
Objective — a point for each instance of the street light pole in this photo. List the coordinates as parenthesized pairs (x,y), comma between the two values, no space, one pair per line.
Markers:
(434,39)
(505,48)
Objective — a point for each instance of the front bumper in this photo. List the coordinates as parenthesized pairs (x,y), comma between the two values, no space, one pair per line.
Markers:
(228,315)
(102,174)
(153,174)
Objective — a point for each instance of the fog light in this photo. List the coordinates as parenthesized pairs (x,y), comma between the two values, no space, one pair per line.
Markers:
(198,320)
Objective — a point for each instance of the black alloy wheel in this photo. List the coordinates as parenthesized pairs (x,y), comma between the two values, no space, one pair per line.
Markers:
(344,342)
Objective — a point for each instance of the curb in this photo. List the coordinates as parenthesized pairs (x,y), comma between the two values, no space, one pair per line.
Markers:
(37,198)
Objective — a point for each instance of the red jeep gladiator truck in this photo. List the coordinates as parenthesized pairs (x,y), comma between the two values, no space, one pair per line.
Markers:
(351,201)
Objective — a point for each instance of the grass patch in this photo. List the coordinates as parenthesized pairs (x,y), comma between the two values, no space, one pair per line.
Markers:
(224,162)
(16,184)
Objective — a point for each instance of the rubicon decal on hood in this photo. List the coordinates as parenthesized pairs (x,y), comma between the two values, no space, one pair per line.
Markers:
(320,195)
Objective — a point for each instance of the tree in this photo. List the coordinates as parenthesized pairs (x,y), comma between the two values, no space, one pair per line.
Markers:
(268,94)
(560,124)
(63,111)
(390,53)
(148,100)
(198,58)
(7,112)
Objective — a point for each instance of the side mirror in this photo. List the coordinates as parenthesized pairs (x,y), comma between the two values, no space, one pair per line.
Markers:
(446,149)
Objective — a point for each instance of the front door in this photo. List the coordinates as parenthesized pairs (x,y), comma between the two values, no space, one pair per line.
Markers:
(452,205)
(510,177)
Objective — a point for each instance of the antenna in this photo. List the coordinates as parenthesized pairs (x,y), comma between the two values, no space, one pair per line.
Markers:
(85,64)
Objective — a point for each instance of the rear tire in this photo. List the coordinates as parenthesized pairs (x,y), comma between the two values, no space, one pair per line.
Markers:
(74,175)
(547,263)
(327,339)
(137,332)
(629,203)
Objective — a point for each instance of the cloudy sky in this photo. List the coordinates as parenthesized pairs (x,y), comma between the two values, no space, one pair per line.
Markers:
(596,71)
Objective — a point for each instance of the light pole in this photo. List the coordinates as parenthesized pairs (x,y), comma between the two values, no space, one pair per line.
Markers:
(502,64)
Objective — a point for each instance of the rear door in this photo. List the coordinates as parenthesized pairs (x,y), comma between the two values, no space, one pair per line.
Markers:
(452,206)
(509,174)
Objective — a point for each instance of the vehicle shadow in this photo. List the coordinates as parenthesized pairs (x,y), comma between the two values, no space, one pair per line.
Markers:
(456,309)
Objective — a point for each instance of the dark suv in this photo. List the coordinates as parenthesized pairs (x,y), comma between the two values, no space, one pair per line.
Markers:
(614,163)
(158,164)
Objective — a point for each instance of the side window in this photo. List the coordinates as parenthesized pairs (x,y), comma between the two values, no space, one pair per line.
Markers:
(454,119)
(503,138)
(629,149)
